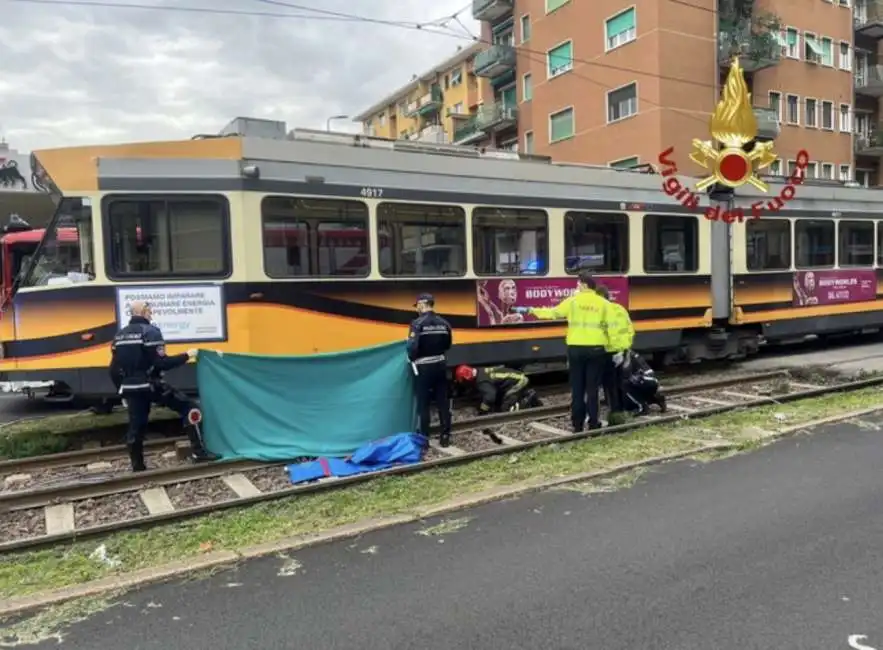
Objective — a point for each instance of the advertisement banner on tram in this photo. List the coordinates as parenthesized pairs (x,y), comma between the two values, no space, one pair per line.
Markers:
(811,288)
(495,299)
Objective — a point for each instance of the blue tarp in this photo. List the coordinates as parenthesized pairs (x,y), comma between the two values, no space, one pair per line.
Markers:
(400,449)
(274,408)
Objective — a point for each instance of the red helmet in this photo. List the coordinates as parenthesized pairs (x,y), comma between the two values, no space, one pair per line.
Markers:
(464,373)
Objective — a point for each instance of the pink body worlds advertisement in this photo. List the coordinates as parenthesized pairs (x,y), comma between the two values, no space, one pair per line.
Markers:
(496,298)
(832,287)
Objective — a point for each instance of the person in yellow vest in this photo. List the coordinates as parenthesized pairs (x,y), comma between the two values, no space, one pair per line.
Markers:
(621,336)
(588,315)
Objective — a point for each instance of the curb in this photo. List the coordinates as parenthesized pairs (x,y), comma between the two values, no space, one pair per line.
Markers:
(216,559)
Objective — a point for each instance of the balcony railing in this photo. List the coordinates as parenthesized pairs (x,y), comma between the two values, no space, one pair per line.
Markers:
(494,61)
(426,104)
(491,10)
(488,119)
(756,50)
(869,80)
(868,18)
(869,145)
(768,125)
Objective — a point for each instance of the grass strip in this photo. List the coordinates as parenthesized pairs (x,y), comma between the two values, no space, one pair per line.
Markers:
(29,572)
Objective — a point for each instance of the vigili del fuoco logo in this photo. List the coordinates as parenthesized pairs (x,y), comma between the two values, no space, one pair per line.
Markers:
(733,126)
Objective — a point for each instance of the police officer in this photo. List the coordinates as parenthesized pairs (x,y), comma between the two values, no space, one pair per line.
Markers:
(621,336)
(588,315)
(137,363)
(428,342)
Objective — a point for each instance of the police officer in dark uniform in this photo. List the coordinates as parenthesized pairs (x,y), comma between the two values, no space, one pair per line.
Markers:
(428,342)
(138,361)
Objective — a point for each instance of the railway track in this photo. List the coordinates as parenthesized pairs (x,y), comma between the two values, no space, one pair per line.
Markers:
(58,509)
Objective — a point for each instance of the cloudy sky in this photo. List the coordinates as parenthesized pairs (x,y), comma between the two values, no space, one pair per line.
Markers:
(72,74)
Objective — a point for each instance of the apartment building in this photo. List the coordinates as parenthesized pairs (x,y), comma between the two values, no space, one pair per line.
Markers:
(433,105)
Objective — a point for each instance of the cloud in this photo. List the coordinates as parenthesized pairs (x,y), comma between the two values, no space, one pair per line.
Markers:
(74,74)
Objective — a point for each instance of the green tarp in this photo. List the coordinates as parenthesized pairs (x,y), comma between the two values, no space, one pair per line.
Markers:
(274,408)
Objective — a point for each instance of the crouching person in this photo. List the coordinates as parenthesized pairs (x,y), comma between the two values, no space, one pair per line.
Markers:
(641,387)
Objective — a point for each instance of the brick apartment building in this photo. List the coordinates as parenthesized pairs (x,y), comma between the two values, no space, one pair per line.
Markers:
(616,81)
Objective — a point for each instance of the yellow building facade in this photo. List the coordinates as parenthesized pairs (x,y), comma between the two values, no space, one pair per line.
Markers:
(432,106)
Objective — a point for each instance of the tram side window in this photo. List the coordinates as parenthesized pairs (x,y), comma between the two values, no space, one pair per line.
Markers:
(768,245)
(813,243)
(856,243)
(509,241)
(597,242)
(421,240)
(315,237)
(671,244)
(168,236)
(65,255)
(880,243)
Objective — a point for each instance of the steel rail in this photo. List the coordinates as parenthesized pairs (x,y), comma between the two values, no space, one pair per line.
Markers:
(114,452)
(335,483)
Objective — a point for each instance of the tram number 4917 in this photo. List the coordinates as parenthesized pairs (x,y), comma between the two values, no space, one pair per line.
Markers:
(372,192)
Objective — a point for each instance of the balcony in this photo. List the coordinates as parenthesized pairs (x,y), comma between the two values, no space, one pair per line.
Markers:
(756,50)
(869,80)
(768,126)
(867,18)
(434,133)
(491,10)
(429,103)
(868,145)
(494,61)
(488,119)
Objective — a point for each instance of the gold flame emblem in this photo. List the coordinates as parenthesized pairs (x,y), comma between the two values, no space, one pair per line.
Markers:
(733,125)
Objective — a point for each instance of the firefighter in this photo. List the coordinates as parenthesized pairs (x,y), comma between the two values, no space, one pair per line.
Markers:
(501,389)
(587,316)
(429,340)
(621,336)
(138,359)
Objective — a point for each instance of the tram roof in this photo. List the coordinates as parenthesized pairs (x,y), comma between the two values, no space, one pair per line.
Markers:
(261,155)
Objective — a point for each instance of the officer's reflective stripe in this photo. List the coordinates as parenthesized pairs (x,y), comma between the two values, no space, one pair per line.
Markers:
(133,386)
(153,343)
(435,359)
(428,332)
(131,342)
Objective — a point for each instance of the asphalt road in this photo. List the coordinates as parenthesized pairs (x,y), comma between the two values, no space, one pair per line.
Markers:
(780,548)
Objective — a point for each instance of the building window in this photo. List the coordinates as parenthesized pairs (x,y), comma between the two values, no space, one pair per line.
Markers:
(768,245)
(845,3)
(620,29)
(856,243)
(525,28)
(561,125)
(812,51)
(776,168)
(863,177)
(812,170)
(169,236)
(560,59)
(596,242)
(793,116)
(419,240)
(456,77)
(506,241)
(845,173)
(845,56)
(528,142)
(813,243)
(845,118)
(670,244)
(457,109)
(792,167)
(792,37)
(828,115)
(776,104)
(827,171)
(622,102)
(527,87)
(315,237)
(810,114)
(827,46)
(381,119)
(552,5)
(66,252)
(625,163)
